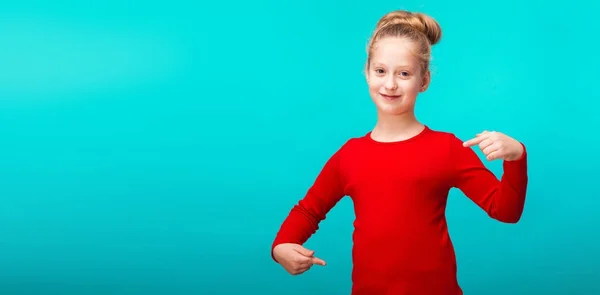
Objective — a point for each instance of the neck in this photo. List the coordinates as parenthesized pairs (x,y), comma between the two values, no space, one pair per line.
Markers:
(396,127)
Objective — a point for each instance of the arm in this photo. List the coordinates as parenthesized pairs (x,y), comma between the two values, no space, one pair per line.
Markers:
(503,199)
(304,218)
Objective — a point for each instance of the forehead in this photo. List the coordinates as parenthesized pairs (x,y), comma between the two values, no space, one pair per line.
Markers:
(394,51)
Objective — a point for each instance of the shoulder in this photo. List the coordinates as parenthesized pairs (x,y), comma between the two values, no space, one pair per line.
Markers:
(351,147)
(351,144)
(447,138)
(450,144)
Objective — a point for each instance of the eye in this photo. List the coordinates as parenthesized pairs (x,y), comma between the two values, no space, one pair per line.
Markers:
(404,74)
(380,71)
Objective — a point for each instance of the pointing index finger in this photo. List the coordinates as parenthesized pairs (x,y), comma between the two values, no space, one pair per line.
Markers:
(318,261)
(477,140)
(473,141)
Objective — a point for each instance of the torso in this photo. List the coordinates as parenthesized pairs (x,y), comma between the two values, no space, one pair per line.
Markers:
(400,190)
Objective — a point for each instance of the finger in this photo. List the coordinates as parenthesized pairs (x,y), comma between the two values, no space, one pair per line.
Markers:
(304,251)
(490,148)
(304,262)
(482,133)
(300,270)
(473,141)
(486,143)
(318,261)
(495,155)
(477,140)
(300,259)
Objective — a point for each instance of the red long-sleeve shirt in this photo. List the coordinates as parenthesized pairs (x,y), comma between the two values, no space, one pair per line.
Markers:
(399,189)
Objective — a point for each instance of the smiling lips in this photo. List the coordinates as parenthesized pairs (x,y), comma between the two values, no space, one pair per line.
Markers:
(390,97)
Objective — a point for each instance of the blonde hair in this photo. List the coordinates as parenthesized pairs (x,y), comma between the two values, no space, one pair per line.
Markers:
(419,28)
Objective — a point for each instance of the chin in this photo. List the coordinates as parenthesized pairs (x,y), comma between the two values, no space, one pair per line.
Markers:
(392,110)
(395,108)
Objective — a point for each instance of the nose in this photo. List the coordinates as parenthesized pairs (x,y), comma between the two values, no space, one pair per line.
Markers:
(391,84)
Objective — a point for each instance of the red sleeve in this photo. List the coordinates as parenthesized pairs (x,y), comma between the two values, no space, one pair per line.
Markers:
(304,218)
(502,199)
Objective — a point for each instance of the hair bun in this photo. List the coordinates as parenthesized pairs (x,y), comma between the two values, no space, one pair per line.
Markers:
(419,21)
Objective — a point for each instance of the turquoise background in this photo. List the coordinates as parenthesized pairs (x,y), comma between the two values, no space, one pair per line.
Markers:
(155,147)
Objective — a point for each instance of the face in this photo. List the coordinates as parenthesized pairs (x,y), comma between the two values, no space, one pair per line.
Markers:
(394,76)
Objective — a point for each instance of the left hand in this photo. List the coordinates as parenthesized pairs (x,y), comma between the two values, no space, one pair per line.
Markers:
(496,145)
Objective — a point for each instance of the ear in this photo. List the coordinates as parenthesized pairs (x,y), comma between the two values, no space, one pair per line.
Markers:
(426,81)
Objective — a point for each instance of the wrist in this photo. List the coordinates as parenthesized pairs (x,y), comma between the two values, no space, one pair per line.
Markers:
(518,154)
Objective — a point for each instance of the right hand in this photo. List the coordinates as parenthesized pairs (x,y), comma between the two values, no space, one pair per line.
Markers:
(295,259)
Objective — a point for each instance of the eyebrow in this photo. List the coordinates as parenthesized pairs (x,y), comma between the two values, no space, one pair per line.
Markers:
(400,66)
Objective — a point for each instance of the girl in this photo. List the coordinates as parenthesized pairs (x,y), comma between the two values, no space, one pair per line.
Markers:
(399,175)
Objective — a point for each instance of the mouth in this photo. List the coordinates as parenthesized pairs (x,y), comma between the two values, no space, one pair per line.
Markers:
(390,97)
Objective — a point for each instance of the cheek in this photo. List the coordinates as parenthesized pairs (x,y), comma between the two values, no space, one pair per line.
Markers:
(409,86)
(375,82)
(373,85)
(412,86)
